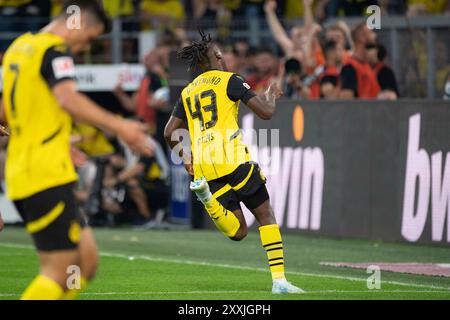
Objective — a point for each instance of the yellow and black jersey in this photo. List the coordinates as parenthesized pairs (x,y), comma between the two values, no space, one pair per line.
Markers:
(210,105)
(39,146)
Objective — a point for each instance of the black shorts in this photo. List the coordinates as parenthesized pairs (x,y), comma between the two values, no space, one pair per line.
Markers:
(52,218)
(245,184)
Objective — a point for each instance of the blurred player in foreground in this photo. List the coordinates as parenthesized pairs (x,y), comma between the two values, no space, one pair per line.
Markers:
(224,174)
(40,100)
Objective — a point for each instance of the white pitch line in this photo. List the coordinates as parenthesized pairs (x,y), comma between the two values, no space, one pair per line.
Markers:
(241,292)
(264,292)
(228,266)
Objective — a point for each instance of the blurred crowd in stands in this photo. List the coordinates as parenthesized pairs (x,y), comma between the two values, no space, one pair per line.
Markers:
(170,11)
(309,61)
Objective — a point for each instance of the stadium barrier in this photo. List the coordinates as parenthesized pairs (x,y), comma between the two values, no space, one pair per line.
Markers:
(373,170)
(104,77)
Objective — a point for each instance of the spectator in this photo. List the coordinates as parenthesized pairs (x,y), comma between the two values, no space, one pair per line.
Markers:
(3,144)
(326,9)
(293,9)
(146,184)
(326,84)
(125,10)
(291,75)
(441,60)
(254,9)
(385,75)
(96,145)
(139,103)
(166,13)
(303,44)
(423,7)
(92,141)
(22,16)
(151,101)
(266,67)
(56,6)
(357,79)
(213,14)
(119,8)
(241,48)
(447,88)
(348,8)
(230,59)
(393,7)
(341,35)
(291,45)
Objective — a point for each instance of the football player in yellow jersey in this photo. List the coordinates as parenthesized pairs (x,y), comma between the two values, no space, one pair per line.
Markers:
(40,100)
(224,174)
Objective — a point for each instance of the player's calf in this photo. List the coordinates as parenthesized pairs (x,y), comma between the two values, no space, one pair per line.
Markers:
(88,263)
(272,243)
(88,254)
(51,283)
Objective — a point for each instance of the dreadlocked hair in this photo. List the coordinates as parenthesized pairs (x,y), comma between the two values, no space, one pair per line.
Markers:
(197,53)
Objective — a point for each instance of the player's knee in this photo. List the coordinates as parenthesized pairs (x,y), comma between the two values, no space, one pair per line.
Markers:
(240,234)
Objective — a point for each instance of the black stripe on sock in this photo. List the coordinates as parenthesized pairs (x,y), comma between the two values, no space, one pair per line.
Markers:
(276,264)
(279,248)
(273,259)
(273,243)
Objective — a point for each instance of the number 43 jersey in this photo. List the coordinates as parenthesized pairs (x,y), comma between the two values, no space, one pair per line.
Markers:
(39,145)
(210,105)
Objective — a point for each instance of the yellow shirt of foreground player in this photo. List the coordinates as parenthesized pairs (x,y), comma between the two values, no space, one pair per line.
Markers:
(216,141)
(38,155)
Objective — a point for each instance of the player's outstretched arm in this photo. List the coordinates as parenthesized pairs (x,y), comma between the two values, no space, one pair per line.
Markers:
(85,110)
(264,106)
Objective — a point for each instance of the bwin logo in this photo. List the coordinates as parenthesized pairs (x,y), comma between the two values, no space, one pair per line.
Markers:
(295,179)
(430,178)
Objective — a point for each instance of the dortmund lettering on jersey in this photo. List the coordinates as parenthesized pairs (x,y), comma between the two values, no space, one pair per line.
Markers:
(210,105)
(39,145)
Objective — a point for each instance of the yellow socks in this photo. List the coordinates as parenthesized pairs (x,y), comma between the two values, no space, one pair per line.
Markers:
(43,288)
(224,219)
(273,244)
(72,294)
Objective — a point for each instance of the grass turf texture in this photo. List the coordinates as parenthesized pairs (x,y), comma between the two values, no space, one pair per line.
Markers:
(204,265)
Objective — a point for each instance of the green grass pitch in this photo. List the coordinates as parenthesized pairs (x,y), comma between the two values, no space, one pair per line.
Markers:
(204,265)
